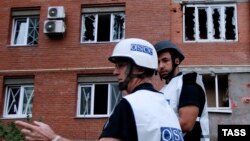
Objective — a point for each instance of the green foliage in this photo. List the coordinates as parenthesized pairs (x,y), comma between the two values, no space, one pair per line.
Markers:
(9,132)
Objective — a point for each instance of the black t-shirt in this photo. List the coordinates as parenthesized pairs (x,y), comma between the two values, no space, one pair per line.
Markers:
(121,124)
(192,94)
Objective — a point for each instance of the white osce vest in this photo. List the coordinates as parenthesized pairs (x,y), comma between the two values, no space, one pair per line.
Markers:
(172,92)
(155,120)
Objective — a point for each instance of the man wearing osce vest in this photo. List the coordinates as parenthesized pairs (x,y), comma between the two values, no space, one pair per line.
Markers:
(184,92)
(142,115)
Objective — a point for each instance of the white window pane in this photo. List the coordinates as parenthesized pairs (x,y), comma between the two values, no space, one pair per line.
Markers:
(27,100)
(118,26)
(20,32)
(18,101)
(85,101)
(25,30)
(32,38)
(13,97)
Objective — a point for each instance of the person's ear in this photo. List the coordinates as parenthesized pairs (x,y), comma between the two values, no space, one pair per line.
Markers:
(177,61)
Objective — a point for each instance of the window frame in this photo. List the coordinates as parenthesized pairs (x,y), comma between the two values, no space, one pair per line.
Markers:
(19,113)
(91,82)
(210,28)
(96,12)
(26,15)
(217,107)
(230,71)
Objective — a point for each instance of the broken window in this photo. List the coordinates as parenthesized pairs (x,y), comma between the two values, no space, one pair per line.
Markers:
(118,26)
(97,99)
(216,86)
(103,24)
(210,23)
(97,96)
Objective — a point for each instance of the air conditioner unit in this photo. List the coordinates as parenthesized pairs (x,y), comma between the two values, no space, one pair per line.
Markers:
(56,12)
(54,27)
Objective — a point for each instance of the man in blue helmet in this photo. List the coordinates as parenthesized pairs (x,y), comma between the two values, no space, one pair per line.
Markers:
(185,92)
(142,115)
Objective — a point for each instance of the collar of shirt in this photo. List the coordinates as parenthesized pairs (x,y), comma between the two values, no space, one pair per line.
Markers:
(145,86)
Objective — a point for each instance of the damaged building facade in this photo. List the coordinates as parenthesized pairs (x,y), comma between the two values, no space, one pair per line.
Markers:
(213,22)
(53,57)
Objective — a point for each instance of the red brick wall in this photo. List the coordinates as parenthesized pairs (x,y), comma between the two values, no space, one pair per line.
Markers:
(55,101)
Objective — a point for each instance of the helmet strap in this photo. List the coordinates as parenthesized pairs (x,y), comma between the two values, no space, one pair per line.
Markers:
(124,85)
